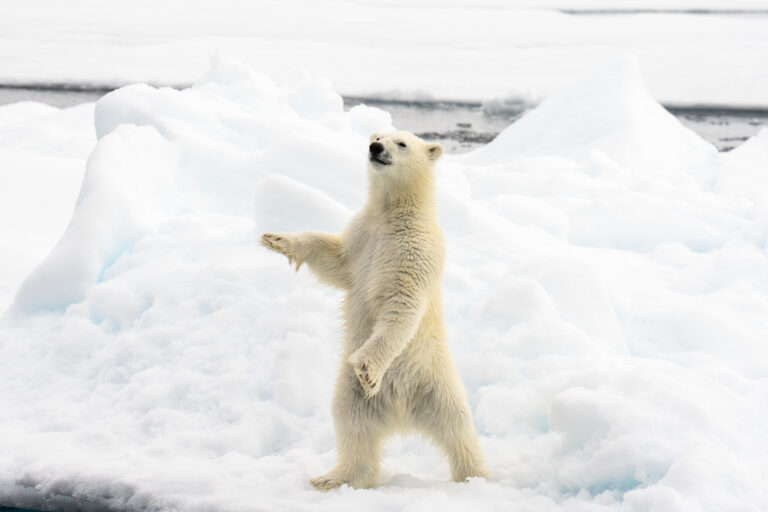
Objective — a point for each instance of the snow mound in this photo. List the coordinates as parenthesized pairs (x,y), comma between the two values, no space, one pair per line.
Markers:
(609,112)
(164,152)
(23,110)
(625,172)
(604,293)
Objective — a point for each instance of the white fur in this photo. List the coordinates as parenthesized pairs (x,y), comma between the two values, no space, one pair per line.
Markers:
(396,373)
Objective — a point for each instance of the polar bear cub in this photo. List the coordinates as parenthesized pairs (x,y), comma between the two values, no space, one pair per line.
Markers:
(397,374)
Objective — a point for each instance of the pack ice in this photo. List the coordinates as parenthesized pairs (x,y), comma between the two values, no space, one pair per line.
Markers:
(606,291)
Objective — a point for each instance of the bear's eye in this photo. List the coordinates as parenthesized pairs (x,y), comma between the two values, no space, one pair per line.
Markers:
(401,144)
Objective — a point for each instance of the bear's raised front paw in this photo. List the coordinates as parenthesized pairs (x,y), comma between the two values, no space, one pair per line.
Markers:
(327,482)
(275,242)
(366,374)
(284,244)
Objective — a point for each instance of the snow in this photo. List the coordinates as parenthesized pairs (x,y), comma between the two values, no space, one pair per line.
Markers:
(455,49)
(606,294)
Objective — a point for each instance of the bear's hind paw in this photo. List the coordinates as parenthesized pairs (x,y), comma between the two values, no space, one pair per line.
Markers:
(327,482)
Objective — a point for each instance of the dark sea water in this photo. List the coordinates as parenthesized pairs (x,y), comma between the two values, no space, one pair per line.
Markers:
(460,126)
(463,126)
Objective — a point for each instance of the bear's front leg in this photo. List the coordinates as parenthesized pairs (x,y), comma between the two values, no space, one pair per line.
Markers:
(367,371)
(286,244)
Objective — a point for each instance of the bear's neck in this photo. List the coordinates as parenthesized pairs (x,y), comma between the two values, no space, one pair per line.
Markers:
(384,199)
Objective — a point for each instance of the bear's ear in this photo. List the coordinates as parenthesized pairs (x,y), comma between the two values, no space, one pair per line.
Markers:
(434,150)
(374,136)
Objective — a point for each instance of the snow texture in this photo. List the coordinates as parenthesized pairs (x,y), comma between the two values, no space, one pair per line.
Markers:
(606,292)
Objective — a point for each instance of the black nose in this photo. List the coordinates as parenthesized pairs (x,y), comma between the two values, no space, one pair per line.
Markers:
(376,148)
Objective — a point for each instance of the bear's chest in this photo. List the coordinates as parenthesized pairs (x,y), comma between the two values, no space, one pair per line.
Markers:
(375,256)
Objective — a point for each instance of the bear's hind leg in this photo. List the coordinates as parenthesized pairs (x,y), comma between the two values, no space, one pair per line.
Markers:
(358,459)
(360,426)
(444,415)
(464,454)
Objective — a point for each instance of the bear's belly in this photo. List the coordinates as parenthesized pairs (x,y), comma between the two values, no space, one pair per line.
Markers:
(373,277)
(361,309)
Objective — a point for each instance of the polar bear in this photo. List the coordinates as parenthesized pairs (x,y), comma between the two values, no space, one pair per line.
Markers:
(397,374)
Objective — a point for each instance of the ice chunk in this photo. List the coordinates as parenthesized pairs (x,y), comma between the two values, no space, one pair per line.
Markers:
(286,205)
(127,191)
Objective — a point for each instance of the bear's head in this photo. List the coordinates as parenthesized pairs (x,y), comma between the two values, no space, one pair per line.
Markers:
(401,161)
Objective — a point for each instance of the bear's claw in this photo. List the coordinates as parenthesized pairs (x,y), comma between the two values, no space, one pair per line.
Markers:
(369,383)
